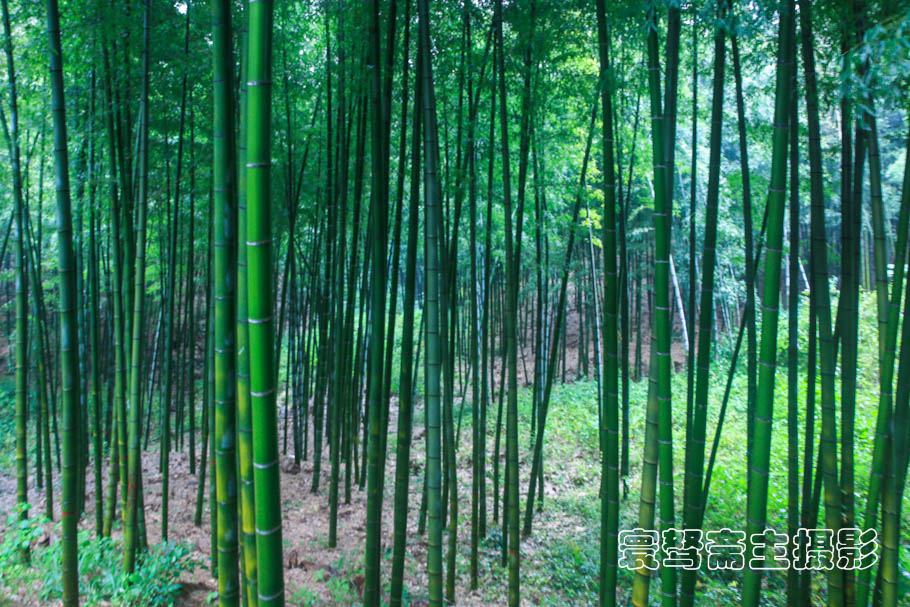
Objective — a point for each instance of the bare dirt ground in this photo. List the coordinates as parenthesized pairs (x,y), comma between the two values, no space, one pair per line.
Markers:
(310,566)
(324,576)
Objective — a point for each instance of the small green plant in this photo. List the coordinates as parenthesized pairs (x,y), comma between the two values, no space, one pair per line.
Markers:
(340,588)
(305,598)
(573,566)
(15,571)
(155,580)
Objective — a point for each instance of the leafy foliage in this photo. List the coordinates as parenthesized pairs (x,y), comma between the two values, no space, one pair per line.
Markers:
(155,581)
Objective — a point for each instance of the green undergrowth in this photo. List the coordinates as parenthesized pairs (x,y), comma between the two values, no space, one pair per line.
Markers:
(560,563)
(102,580)
(7,423)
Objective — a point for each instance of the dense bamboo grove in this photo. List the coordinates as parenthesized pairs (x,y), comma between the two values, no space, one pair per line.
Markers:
(481,288)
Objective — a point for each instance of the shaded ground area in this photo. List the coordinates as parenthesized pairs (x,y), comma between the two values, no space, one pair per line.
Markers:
(560,561)
(317,575)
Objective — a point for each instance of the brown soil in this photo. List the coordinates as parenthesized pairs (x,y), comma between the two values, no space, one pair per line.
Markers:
(313,570)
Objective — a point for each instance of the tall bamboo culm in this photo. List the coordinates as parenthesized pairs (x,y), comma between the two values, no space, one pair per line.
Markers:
(244,418)
(270,565)
(132,514)
(758,470)
(224,232)
(21,285)
(69,342)
(432,311)
(609,522)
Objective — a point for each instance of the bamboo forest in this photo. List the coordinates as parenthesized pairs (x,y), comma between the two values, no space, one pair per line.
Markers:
(457,302)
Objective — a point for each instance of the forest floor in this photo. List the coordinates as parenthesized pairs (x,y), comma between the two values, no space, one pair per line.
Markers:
(318,575)
(560,560)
